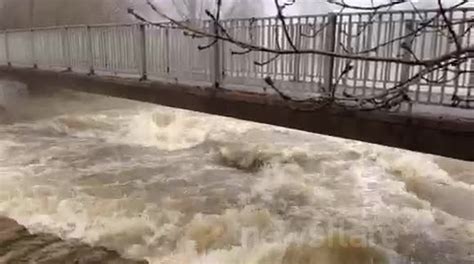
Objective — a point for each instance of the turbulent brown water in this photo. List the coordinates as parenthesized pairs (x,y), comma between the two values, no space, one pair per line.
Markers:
(179,187)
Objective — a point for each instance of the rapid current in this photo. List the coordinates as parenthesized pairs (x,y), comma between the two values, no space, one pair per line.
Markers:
(173,186)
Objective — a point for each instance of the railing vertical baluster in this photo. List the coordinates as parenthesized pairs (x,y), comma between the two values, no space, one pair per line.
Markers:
(434,54)
(108,34)
(448,49)
(111,35)
(469,77)
(103,57)
(253,29)
(143,60)
(337,44)
(272,43)
(72,45)
(32,49)
(237,59)
(330,37)
(359,28)
(407,55)
(304,64)
(461,78)
(368,38)
(297,40)
(423,33)
(232,63)
(90,51)
(322,44)
(284,44)
(263,42)
(66,49)
(222,60)
(314,58)
(248,60)
(115,48)
(167,50)
(405,25)
(216,66)
(7,50)
(376,64)
(389,51)
(122,45)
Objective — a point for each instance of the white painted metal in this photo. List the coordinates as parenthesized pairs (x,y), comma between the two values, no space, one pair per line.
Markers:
(19,48)
(116,49)
(3,49)
(166,52)
(77,48)
(47,48)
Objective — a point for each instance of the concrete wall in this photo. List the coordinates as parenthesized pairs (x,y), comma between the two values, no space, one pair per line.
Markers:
(445,135)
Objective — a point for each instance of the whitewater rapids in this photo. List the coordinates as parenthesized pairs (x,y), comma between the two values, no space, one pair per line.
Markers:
(174,186)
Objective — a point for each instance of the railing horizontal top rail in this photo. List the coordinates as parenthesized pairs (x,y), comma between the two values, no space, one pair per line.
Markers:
(350,13)
(406,11)
(70,27)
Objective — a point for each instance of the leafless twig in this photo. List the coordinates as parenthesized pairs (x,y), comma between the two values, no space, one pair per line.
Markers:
(449,65)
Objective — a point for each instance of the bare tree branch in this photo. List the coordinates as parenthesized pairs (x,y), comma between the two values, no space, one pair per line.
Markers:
(447,65)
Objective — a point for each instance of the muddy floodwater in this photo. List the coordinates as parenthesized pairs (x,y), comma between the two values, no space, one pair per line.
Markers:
(172,186)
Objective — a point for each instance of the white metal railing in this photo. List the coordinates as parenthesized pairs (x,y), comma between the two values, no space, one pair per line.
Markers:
(3,54)
(168,53)
(369,77)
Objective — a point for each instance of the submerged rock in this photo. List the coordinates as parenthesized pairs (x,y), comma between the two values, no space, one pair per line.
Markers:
(18,245)
(335,250)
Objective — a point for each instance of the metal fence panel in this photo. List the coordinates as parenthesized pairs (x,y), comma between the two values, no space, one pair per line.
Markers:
(157,51)
(48,50)
(384,35)
(370,35)
(115,49)
(292,73)
(440,86)
(186,60)
(76,53)
(20,48)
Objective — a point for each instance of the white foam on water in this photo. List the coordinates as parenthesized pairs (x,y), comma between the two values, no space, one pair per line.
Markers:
(130,179)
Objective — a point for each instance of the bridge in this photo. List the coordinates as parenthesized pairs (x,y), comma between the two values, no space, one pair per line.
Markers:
(164,65)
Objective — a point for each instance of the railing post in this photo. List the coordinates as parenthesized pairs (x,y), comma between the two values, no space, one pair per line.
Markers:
(216,63)
(7,50)
(330,36)
(32,46)
(407,55)
(143,60)
(167,50)
(297,61)
(407,46)
(90,51)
